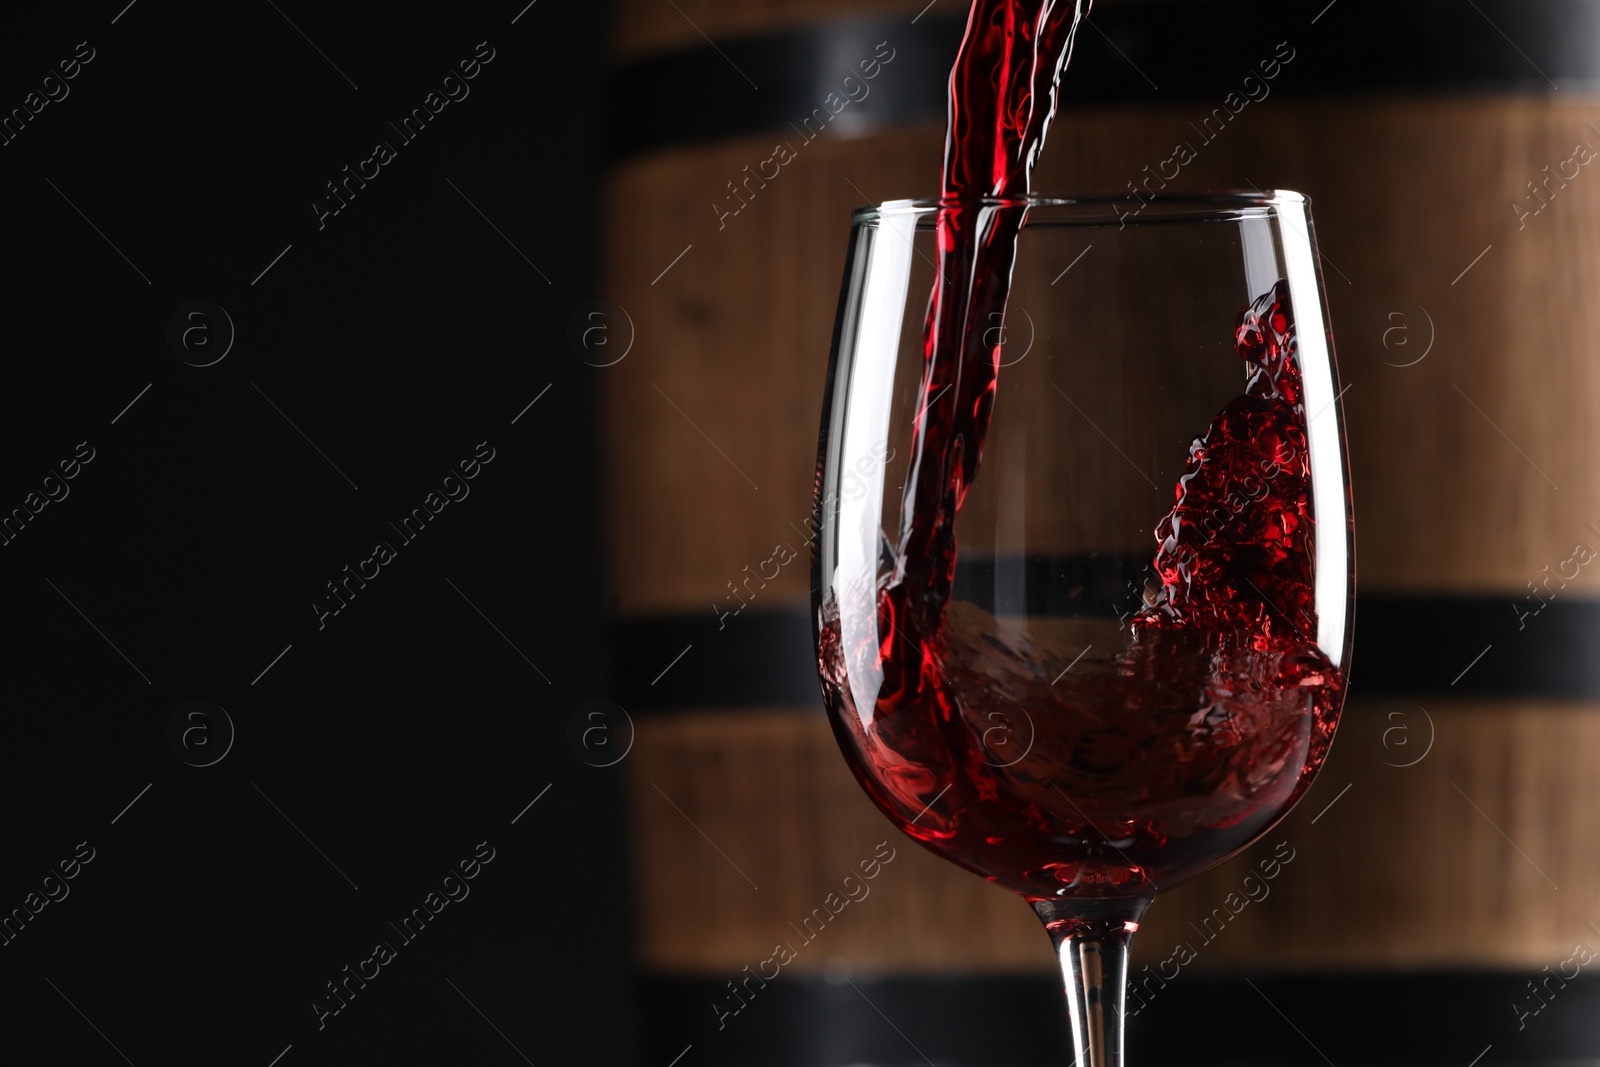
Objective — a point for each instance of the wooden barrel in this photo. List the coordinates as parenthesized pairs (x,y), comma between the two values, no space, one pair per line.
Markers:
(1453,830)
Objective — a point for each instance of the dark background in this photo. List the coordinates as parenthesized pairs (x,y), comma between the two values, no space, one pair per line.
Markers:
(408,729)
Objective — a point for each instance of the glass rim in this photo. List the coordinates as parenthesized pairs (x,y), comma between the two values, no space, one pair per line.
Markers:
(1218,203)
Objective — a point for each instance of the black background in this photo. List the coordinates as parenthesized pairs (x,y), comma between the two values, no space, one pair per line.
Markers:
(405,731)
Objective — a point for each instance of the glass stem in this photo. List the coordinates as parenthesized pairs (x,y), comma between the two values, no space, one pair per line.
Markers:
(1092,940)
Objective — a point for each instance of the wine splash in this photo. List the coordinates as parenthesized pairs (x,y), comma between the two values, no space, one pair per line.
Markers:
(1146,767)
(1235,550)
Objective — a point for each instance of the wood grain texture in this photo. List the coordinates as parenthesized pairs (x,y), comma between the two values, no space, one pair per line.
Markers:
(713,417)
(1453,861)
(1456,460)
(1473,469)
(769,793)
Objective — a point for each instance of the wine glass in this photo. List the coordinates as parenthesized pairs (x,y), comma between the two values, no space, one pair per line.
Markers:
(1082,567)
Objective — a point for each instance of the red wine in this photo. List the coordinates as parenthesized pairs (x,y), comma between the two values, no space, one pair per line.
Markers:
(1142,768)
(1147,767)
(1002,97)
(1236,550)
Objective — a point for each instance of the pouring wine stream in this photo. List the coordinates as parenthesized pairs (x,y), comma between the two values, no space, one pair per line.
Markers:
(1003,91)
(1003,95)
